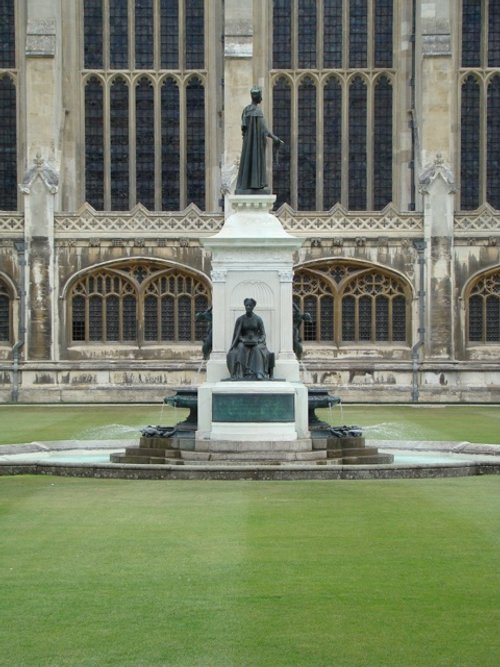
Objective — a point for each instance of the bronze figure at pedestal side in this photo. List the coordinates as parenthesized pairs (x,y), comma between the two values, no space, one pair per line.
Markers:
(248,357)
(252,177)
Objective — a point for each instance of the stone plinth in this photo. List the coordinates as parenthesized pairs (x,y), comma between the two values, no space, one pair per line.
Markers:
(252,256)
(244,415)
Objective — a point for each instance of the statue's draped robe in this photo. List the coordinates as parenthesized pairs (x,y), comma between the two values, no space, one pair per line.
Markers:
(245,360)
(252,171)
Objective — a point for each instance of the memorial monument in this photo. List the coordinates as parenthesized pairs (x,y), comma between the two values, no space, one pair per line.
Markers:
(253,408)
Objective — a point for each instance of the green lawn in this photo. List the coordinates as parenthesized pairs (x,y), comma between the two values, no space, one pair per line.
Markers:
(141,574)
(25,423)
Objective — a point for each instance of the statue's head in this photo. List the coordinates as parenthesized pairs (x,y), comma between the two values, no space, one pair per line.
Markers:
(249,304)
(256,94)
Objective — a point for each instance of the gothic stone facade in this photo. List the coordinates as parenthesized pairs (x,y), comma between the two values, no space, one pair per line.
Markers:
(99,302)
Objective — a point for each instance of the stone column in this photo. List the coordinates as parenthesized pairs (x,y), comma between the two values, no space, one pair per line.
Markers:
(40,184)
(435,151)
(238,80)
(438,189)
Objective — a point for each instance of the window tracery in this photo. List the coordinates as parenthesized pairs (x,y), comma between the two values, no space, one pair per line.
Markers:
(137,303)
(338,60)
(142,153)
(479,103)
(352,304)
(483,309)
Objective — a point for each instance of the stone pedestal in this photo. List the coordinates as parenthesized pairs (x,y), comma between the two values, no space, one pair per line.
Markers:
(252,256)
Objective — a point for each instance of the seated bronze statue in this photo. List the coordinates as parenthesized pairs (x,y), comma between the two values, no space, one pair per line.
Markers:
(248,357)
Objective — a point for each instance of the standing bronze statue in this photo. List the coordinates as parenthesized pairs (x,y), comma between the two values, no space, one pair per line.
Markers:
(252,177)
(248,357)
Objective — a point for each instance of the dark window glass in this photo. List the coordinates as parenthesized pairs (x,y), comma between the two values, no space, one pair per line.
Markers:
(357,145)
(144,34)
(4,318)
(348,318)
(169,34)
(399,318)
(7,35)
(332,142)
(195,35)
(493,319)
(167,318)
(112,318)
(476,318)
(78,319)
(195,141)
(365,306)
(95,318)
(118,34)
(383,33)
(282,34)
(170,150)
(119,146)
(307,146)
(493,143)
(311,326)
(326,321)
(382,318)
(184,318)
(282,97)
(332,34)
(145,143)
(129,318)
(358,33)
(201,325)
(151,318)
(307,34)
(92,39)
(470,144)
(493,33)
(94,144)
(382,140)
(8,145)
(471,33)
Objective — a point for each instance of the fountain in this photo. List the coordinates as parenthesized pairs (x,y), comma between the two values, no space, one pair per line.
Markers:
(253,407)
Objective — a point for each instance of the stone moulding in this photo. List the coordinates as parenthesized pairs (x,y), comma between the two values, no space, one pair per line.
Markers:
(485,219)
(338,220)
(11,223)
(85,221)
(193,223)
(88,223)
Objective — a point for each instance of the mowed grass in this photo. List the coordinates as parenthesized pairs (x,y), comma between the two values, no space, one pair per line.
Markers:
(26,423)
(249,574)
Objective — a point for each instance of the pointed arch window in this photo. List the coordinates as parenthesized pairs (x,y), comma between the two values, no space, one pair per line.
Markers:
(479,103)
(8,143)
(333,73)
(137,304)
(483,309)
(352,304)
(146,136)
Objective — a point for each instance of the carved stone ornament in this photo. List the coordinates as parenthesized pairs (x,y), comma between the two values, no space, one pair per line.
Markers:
(219,275)
(48,175)
(432,171)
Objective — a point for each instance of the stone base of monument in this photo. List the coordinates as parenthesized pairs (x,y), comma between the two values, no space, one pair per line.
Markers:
(254,420)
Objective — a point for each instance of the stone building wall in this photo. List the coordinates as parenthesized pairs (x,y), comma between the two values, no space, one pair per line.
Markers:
(422,237)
